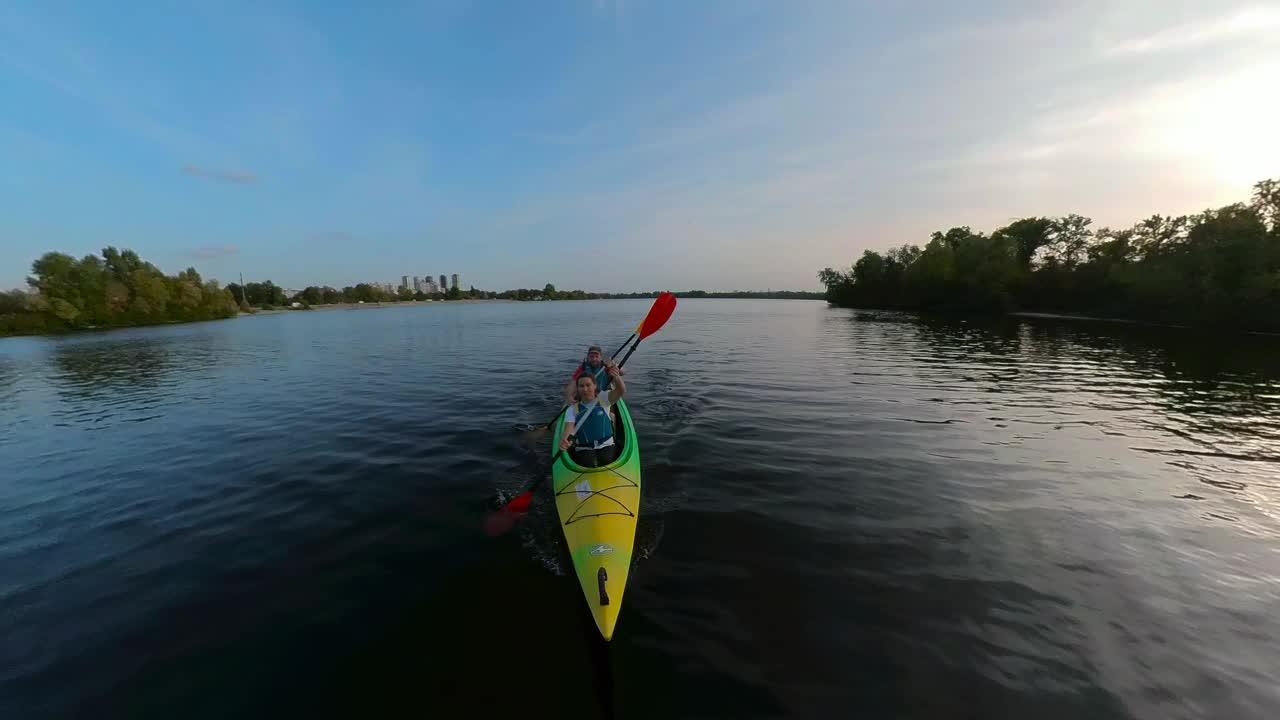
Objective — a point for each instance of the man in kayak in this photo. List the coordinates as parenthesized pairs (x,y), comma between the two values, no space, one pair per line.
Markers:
(594,365)
(588,424)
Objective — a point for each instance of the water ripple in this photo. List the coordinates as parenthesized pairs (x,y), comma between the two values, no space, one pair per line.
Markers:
(915,517)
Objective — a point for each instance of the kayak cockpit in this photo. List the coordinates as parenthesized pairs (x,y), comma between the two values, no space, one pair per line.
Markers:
(622,433)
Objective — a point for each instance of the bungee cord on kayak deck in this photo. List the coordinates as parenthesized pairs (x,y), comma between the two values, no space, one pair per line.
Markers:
(569,489)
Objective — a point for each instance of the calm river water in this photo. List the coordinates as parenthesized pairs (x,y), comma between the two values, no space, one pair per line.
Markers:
(848,514)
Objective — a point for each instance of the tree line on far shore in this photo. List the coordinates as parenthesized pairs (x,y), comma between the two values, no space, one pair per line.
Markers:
(119,289)
(1216,268)
(268,295)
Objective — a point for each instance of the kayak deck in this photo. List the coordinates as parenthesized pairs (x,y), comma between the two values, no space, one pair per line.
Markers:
(598,508)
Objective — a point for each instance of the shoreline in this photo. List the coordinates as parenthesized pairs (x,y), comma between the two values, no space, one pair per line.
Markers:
(1034,315)
(1095,318)
(368,306)
(1127,321)
(330,307)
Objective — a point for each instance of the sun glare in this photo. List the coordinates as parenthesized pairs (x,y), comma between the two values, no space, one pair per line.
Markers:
(1228,128)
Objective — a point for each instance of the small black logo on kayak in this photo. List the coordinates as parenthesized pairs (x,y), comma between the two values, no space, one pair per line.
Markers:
(599,550)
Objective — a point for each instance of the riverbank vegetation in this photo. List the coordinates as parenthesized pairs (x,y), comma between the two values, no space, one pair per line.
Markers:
(116,289)
(1218,268)
(269,295)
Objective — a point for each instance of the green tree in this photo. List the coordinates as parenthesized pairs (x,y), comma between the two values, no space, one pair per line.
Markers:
(1220,268)
(312,295)
(1069,239)
(1266,202)
(114,290)
(1028,236)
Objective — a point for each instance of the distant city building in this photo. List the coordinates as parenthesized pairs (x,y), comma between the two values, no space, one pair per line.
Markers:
(404,281)
(430,287)
(455,281)
(444,283)
(389,288)
(417,284)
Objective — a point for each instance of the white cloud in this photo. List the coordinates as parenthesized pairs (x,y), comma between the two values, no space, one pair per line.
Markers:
(1248,21)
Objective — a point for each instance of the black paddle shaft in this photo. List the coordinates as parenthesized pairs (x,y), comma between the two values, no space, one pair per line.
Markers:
(543,475)
(628,355)
(623,346)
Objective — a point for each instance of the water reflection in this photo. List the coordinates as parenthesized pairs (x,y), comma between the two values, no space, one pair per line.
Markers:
(1236,376)
(1207,406)
(8,379)
(89,370)
(130,378)
(919,517)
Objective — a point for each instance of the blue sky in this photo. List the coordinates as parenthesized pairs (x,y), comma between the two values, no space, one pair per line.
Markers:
(609,145)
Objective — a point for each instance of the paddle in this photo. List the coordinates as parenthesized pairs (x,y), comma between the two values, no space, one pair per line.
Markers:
(502,520)
(659,313)
(657,317)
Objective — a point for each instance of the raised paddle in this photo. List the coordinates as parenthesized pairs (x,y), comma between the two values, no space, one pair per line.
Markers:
(505,517)
(658,315)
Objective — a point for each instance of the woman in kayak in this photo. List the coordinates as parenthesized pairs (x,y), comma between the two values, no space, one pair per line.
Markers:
(594,364)
(588,424)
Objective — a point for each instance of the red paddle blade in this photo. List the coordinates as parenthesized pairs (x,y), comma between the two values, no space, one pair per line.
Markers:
(659,315)
(520,503)
(501,521)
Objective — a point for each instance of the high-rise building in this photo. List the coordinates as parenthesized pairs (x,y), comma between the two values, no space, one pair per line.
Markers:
(444,283)
(404,281)
(455,281)
(417,284)
(430,287)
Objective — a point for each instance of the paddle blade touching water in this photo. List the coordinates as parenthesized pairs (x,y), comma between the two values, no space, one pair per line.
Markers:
(505,517)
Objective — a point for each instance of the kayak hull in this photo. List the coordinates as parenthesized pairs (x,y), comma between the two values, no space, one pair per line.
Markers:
(598,509)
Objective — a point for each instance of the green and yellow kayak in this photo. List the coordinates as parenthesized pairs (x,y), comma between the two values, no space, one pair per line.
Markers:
(598,508)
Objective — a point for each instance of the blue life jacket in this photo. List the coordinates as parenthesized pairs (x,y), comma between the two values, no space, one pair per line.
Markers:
(602,376)
(592,429)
